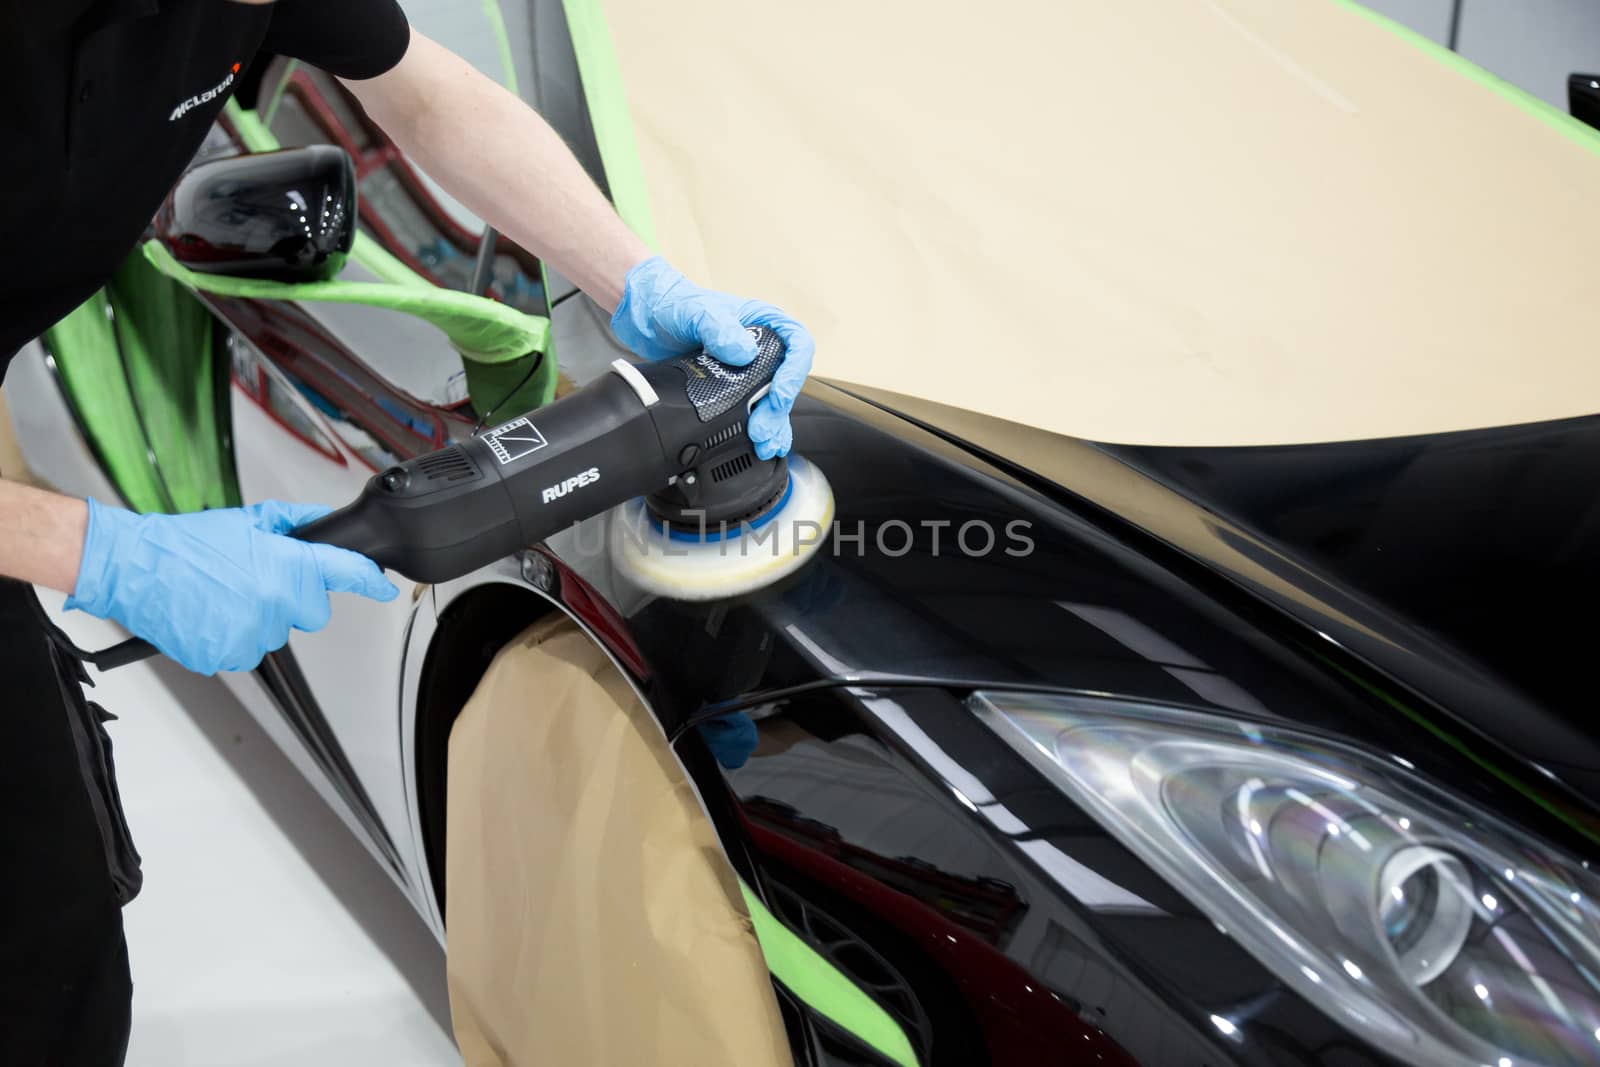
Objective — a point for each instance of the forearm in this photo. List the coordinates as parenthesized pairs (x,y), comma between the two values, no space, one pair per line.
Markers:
(41,535)
(505,163)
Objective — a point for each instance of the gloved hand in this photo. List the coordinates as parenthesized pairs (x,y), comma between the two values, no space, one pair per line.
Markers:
(663,314)
(731,739)
(216,590)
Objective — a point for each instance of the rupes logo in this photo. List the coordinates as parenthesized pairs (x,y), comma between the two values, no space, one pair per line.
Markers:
(575,482)
(203,98)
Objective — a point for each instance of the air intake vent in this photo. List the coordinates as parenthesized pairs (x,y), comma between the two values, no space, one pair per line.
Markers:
(447,465)
(737,465)
(723,435)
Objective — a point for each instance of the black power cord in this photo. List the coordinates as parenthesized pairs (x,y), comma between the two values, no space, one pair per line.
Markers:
(533,369)
(104,660)
(482,277)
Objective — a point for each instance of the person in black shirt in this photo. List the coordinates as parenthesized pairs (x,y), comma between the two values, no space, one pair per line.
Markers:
(106,102)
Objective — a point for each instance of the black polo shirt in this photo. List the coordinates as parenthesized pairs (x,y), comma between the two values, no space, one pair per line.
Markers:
(104,102)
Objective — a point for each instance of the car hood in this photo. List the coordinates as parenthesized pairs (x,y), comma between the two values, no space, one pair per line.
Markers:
(1172,222)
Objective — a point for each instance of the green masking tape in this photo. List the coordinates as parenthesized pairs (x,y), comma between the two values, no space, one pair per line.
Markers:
(483,330)
(1570,128)
(608,114)
(824,987)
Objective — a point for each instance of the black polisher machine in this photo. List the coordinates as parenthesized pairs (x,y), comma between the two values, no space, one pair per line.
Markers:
(698,515)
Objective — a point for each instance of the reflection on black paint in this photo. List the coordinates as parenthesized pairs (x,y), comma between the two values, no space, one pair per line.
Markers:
(987,907)
(888,875)
(1488,538)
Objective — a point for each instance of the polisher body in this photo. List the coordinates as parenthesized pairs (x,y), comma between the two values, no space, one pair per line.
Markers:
(673,431)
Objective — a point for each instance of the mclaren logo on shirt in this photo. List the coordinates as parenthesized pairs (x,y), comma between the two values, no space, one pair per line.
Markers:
(203,98)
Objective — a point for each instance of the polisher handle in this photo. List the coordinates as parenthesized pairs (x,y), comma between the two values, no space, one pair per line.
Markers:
(135,649)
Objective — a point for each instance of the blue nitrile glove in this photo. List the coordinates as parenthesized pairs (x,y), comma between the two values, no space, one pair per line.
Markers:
(663,314)
(216,590)
(731,738)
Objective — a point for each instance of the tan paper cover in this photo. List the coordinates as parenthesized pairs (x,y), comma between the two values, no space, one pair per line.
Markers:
(592,917)
(1155,221)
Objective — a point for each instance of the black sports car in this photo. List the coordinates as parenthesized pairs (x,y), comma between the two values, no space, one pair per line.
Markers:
(1057,751)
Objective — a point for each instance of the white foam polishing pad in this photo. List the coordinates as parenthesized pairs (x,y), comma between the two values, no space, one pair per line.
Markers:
(725,562)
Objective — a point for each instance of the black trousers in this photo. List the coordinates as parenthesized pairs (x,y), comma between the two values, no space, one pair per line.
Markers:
(67,864)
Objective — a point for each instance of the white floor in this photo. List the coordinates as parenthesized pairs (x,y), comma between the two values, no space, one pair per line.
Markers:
(265,934)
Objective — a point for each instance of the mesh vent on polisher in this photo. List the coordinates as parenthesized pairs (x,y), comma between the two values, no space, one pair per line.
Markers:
(447,465)
(737,465)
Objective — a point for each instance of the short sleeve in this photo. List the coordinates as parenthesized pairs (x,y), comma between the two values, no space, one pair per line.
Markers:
(348,38)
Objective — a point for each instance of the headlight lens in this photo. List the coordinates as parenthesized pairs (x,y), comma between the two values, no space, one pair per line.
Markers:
(1433,928)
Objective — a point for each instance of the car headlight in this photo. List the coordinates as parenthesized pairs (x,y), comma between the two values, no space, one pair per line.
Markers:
(1433,928)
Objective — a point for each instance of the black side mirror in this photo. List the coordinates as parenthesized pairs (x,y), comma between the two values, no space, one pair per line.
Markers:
(289,216)
(1583,98)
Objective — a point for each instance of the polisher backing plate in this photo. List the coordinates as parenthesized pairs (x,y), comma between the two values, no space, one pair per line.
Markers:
(737,561)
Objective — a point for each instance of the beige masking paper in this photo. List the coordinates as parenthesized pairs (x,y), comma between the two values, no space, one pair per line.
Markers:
(592,918)
(1154,221)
